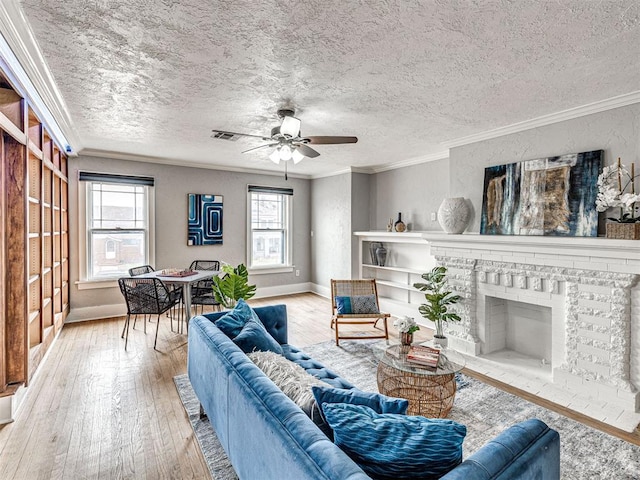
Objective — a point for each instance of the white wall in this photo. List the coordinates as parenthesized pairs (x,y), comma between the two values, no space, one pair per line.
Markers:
(416,191)
(172,184)
(617,132)
(360,208)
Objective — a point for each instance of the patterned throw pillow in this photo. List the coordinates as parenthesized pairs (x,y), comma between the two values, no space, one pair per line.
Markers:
(396,446)
(357,304)
(378,402)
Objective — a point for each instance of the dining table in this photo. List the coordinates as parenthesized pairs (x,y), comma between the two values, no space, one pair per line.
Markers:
(184,279)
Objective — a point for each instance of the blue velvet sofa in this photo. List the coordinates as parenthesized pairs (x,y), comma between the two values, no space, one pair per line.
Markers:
(267,436)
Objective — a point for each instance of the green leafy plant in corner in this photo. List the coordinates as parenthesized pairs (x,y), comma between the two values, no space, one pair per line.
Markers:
(233,285)
(439,298)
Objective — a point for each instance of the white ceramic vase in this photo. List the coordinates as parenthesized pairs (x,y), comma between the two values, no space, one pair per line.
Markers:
(454,215)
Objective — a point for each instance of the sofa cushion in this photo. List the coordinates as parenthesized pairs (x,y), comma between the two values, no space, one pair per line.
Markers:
(254,337)
(396,446)
(315,368)
(356,304)
(232,322)
(292,379)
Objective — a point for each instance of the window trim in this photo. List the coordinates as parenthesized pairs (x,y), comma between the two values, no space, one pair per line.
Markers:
(83,236)
(280,268)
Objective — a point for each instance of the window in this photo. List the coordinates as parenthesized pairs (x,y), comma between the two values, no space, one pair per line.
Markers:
(269,242)
(117,227)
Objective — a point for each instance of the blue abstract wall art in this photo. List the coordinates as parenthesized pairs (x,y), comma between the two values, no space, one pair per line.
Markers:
(205,219)
(553,196)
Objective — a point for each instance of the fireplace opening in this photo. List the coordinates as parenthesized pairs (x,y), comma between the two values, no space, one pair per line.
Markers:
(519,335)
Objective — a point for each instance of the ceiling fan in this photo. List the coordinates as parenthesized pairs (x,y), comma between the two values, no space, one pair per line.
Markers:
(286,140)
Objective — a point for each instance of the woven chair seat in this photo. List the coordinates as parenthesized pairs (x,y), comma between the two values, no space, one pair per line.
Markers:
(352,288)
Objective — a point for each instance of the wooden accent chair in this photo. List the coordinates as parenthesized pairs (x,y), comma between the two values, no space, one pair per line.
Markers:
(361,310)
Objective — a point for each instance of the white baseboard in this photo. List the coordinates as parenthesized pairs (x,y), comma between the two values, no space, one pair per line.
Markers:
(117,310)
(95,313)
(321,290)
(265,292)
(10,404)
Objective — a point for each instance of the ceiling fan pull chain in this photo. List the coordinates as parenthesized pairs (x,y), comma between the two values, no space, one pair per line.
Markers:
(286,176)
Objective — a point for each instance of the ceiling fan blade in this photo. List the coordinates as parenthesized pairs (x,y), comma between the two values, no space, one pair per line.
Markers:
(226,135)
(326,140)
(290,126)
(307,151)
(261,146)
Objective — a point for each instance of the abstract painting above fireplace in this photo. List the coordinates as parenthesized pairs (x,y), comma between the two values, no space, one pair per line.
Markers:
(547,196)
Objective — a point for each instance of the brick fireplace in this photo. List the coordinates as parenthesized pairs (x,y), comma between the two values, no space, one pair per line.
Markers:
(560,315)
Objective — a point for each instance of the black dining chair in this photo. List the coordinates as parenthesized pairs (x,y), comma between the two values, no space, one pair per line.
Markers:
(141,270)
(145,296)
(135,271)
(202,292)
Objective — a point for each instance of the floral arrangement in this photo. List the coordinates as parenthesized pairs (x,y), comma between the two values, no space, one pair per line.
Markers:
(406,325)
(616,188)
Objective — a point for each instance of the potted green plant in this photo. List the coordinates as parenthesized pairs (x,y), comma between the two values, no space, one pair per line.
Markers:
(439,298)
(233,285)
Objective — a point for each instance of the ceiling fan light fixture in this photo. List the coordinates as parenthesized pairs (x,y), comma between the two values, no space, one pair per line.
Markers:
(285,152)
(290,126)
(275,157)
(297,156)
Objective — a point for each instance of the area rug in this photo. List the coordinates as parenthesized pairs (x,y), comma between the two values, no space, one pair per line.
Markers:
(585,453)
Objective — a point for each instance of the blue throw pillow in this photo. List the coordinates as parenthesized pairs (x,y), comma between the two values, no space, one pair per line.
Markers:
(378,402)
(231,324)
(396,446)
(357,304)
(254,337)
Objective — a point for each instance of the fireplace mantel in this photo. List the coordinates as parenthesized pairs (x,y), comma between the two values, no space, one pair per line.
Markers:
(575,246)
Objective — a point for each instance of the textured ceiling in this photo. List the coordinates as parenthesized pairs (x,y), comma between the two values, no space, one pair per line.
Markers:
(153,77)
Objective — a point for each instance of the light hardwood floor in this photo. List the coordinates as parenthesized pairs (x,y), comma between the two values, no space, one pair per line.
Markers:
(96,411)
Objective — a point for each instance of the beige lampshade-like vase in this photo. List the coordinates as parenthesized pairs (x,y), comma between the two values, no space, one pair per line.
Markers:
(454,215)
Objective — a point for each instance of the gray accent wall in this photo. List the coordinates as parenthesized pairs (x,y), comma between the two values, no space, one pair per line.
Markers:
(617,132)
(331,226)
(416,191)
(172,184)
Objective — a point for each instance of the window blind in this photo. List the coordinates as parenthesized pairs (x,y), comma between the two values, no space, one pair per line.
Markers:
(114,178)
(278,190)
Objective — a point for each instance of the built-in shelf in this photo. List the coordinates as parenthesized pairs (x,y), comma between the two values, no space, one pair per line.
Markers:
(408,257)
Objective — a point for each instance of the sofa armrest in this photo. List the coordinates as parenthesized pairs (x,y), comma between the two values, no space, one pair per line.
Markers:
(528,449)
(273,317)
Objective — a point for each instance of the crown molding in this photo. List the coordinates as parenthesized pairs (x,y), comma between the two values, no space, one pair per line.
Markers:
(431,157)
(569,114)
(31,76)
(108,154)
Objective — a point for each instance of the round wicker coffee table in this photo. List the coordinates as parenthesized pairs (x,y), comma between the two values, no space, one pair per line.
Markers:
(430,391)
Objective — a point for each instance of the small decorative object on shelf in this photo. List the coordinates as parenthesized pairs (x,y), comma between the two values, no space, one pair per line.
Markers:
(406,326)
(373,246)
(616,189)
(390,225)
(399,226)
(381,255)
(454,215)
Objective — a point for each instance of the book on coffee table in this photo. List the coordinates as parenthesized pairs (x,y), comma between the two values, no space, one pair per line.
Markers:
(423,355)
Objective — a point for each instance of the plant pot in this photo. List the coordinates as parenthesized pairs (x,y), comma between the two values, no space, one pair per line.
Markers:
(441,340)
(623,231)
(406,338)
